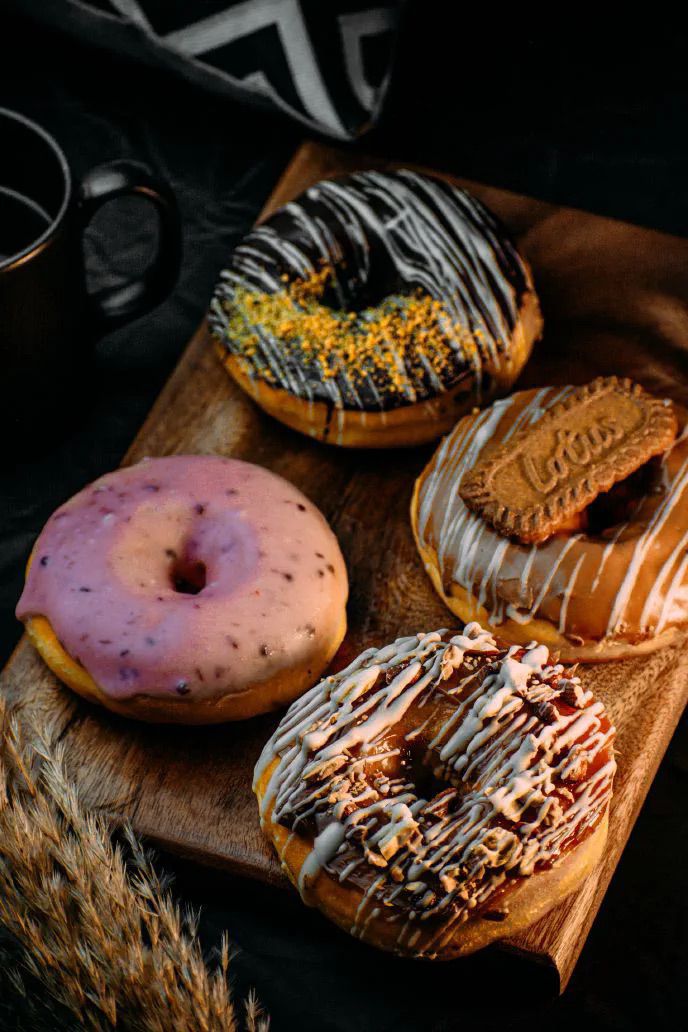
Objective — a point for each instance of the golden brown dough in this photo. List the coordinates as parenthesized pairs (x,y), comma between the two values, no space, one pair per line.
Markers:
(439,793)
(375,310)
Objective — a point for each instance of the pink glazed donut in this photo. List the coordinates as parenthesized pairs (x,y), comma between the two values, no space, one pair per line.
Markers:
(191,589)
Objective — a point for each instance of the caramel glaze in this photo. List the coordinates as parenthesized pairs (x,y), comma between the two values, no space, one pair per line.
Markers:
(624,583)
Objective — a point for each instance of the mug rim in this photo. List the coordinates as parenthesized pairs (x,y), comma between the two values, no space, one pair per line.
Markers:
(35,245)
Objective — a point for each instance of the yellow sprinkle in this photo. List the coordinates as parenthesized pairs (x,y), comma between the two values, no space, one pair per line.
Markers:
(398,338)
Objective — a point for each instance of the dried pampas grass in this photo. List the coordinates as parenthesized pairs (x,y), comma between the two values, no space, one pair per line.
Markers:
(101,945)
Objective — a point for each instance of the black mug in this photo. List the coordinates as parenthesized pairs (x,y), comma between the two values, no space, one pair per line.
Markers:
(48,319)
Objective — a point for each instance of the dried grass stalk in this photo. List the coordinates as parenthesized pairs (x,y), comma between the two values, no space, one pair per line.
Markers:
(96,928)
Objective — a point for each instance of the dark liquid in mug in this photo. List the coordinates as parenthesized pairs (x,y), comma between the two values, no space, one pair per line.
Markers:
(22,222)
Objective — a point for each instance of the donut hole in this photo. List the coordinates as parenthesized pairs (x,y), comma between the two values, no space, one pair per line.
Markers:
(352,295)
(409,761)
(357,296)
(619,505)
(426,783)
(188,576)
(357,279)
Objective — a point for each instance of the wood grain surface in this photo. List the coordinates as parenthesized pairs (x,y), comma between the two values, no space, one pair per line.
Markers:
(615,299)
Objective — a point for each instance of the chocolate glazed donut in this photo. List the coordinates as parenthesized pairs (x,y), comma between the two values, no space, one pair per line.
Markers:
(376,309)
(440,792)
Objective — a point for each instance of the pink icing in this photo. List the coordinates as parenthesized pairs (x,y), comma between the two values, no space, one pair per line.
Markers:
(188,574)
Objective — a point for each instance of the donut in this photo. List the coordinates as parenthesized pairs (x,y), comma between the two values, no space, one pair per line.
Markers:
(190,589)
(439,793)
(375,310)
(609,581)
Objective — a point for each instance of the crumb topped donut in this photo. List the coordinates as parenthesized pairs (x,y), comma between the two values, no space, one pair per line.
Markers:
(188,589)
(440,792)
(376,309)
(585,547)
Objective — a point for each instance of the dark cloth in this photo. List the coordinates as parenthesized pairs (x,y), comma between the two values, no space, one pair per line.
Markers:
(611,144)
(325,64)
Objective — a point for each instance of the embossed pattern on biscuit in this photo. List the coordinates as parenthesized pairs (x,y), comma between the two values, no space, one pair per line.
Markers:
(552,470)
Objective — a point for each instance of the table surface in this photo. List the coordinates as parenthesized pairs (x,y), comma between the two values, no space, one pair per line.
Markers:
(308,975)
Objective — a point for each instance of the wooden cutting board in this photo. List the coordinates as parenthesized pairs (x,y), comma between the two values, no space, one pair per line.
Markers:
(615,299)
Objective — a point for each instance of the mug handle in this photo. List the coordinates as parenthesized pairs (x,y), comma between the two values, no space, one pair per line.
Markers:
(115,306)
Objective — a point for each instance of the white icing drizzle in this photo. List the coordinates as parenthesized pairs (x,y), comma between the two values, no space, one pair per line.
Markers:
(567,594)
(517,754)
(644,545)
(385,234)
(476,558)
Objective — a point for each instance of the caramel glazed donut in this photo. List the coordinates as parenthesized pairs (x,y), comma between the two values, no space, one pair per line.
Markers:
(593,594)
(375,310)
(190,589)
(439,793)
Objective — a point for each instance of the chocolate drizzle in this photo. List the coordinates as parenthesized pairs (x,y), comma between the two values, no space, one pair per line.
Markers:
(438,772)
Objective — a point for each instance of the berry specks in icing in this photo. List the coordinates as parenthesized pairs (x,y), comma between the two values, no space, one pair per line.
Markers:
(193,547)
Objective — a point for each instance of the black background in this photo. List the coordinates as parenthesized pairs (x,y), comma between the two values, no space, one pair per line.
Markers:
(569,112)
